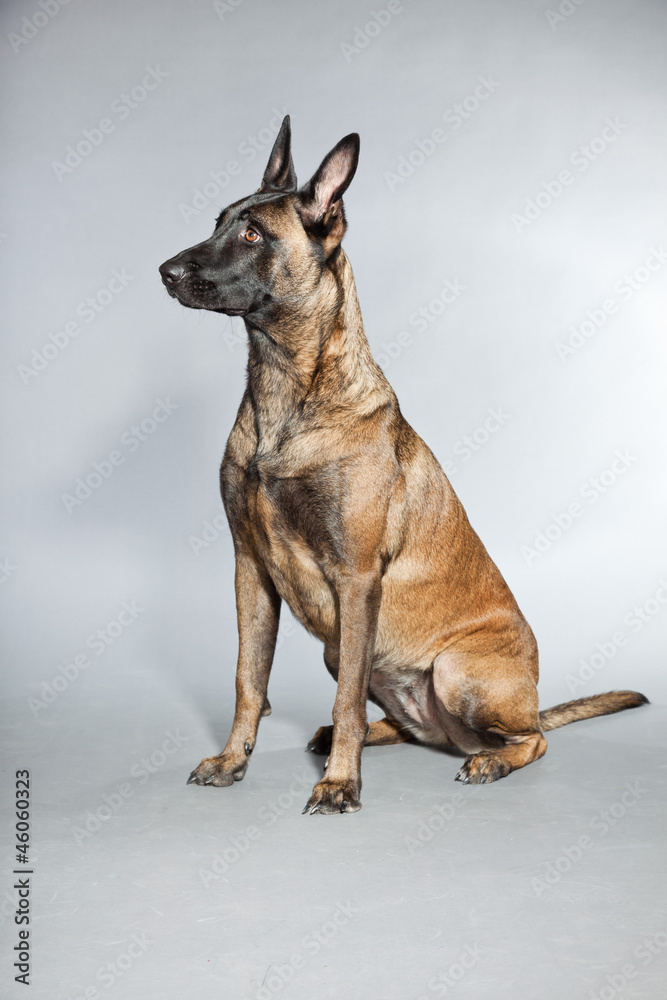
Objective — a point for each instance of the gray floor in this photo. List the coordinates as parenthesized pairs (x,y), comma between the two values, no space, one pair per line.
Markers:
(548,884)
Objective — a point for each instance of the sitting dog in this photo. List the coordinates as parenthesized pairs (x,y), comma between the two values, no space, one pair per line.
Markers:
(337,507)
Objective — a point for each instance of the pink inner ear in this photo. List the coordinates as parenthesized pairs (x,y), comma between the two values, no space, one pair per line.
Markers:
(333,176)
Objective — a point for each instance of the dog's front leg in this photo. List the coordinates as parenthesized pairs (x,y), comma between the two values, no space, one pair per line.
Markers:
(258,612)
(359,604)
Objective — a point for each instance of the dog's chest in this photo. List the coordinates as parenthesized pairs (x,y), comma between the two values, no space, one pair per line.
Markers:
(294,526)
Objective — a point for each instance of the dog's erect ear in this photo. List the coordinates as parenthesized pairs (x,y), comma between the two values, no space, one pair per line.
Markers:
(321,197)
(279,174)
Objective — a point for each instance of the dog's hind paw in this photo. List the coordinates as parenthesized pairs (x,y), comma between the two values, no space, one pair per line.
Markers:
(480,768)
(331,797)
(218,771)
(321,741)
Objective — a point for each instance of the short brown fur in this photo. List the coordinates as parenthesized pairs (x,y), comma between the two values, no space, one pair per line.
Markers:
(337,507)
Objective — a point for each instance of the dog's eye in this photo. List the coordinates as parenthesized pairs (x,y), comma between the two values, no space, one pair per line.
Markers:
(251,235)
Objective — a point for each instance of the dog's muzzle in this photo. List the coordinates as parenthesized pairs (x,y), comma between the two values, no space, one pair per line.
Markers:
(183,282)
(172,272)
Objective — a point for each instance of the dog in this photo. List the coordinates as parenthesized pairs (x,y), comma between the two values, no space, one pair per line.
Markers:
(337,507)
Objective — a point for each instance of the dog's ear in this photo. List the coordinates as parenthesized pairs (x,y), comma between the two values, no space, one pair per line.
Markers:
(279,174)
(321,198)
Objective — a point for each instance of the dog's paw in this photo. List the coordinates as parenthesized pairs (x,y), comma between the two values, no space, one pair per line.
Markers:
(483,767)
(333,797)
(321,741)
(220,771)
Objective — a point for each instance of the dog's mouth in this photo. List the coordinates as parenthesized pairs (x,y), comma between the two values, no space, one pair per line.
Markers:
(197,302)
(228,311)
(194,292)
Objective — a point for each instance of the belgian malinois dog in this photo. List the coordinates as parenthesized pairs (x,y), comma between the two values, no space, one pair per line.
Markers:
(337,507)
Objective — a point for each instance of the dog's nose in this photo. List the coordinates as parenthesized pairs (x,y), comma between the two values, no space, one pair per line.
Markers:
(172,272)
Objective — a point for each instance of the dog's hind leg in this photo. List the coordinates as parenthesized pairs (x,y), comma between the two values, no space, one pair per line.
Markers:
(382,733)
(491,712)
(489,765)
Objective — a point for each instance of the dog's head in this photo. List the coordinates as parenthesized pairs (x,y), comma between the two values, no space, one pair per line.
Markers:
(272,247)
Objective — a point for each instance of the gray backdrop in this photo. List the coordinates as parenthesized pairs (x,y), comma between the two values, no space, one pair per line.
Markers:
(507,233)
(503,341)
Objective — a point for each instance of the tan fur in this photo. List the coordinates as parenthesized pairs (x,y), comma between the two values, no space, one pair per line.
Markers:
(337,507)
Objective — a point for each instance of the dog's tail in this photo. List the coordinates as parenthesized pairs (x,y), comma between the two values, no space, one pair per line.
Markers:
(586,708)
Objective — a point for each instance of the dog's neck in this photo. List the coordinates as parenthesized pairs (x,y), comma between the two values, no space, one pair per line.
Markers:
(313,355)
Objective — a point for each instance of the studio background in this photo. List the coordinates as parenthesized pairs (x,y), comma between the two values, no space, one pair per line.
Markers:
(511,270)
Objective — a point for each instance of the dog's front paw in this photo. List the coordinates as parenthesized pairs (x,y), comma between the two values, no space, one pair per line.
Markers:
(220,771)
(480,768)
(321,741)
(334,797)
